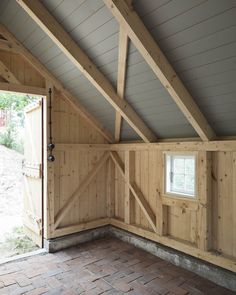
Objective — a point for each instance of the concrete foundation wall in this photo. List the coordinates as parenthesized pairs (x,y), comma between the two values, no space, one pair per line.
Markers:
(57,244)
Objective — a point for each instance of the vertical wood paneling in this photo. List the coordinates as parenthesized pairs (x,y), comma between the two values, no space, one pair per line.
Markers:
(72,166)
(204,197)
(110,188)
(143,185)
(129,177)
(223,203)
(179,223)
(119,191)
(161,210)
(182,223)
(22,70)
(137,179)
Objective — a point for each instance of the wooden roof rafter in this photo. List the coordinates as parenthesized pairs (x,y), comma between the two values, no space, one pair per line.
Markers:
(19,48)
(147,46)
(71,49)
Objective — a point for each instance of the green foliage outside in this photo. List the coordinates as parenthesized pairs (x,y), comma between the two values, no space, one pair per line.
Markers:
(15,103)
(9,139)
(17,242)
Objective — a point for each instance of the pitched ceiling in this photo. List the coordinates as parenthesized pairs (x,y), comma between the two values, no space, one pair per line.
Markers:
(198,37)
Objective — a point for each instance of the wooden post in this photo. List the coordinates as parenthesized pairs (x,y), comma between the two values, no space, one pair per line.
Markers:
(129,177)
(110,188)
(122,58)
(162,210)
(204,198)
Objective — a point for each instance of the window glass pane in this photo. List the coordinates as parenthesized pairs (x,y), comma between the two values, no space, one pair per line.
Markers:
(178,166)
(189,166)
(189,182)
(178,182)
(168,173)
(180,174)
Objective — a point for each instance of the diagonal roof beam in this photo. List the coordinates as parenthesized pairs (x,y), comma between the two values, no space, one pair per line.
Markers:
(151,52)
(16,45)
(71,49)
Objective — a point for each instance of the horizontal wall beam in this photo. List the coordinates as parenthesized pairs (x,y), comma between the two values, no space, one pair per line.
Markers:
(213,146)
(22,88)
(81,147)
(80,227)
(221,145)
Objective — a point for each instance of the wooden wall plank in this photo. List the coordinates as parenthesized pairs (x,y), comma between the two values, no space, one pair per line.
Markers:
(162,210)
(7,74)
(204,195)
(129,177)
(110,188)
(23,72)
(81,188)
(223,203)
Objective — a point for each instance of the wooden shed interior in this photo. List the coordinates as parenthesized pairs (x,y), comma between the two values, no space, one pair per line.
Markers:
(134,83)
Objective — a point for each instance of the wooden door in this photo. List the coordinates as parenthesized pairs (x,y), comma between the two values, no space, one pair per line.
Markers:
(32,171)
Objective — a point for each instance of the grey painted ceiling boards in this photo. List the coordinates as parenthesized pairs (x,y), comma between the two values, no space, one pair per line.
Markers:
(98,37)
(199,39)
(151,100)
(197,36)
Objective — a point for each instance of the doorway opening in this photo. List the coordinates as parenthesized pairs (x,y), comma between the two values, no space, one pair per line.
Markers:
(21,174)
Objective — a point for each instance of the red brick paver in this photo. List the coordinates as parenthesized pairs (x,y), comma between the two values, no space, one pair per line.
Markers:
(108,266)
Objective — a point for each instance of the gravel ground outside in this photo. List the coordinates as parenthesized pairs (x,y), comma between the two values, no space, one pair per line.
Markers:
(12,238)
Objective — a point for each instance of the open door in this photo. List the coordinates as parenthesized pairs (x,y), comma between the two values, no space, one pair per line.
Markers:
(32,171)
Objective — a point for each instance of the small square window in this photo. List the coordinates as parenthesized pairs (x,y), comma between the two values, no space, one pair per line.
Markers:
(180,175)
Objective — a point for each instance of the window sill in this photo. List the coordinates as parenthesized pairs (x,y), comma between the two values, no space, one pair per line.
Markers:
(180,197)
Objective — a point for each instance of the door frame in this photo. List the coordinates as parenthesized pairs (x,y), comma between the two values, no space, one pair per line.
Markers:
(44,197)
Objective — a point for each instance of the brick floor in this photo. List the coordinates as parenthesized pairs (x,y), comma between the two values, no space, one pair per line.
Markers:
(108,266)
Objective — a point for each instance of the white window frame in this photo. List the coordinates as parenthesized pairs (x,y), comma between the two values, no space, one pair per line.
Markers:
(168,175)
